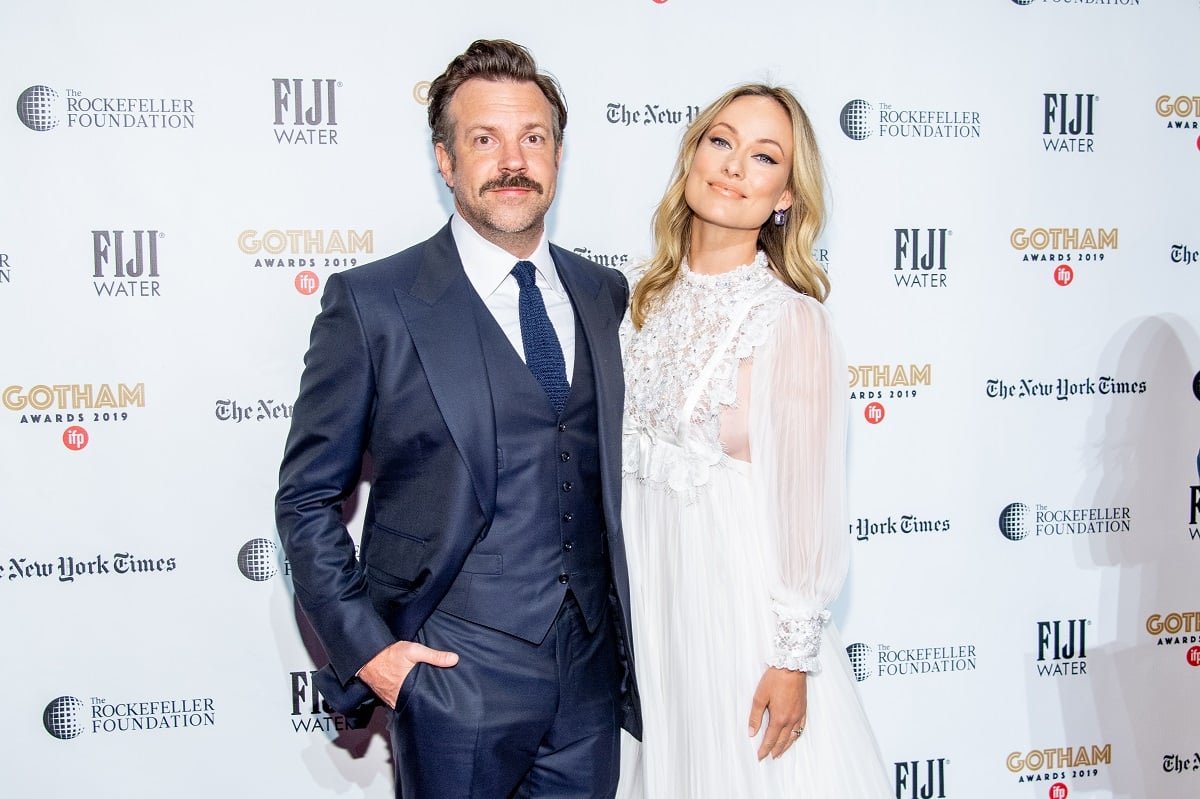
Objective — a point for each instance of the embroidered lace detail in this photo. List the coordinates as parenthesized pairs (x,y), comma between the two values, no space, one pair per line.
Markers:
(665,360)
(797,640)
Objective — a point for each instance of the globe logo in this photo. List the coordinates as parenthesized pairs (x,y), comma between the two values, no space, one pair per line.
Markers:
(1024,2)
(1196,385)
(256,560)
(35,108)
(63,718)
(859,654)
(1014,521)
(854,119)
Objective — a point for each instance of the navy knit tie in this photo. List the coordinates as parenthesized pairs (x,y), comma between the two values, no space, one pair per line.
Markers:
(543,353)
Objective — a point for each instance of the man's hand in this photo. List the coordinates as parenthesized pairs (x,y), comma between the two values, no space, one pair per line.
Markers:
(783,695)
(385,672)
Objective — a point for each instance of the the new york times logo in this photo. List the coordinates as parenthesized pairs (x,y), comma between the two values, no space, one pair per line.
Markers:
(310,711)
(885,660)
(1183,254)
(1062,647)
(921,257)
(125,263)
(1068,762)
(1063,388)
(649,114)
(67,568)
(615,260)
(921,779)
(1069,122)
(304,113)
(67,717)
(865,529)
(262,410)
(1181,764)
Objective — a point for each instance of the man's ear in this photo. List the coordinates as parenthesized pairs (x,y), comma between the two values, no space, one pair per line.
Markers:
(445,163)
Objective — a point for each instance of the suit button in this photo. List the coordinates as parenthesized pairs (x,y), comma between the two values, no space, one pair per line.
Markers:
(568,546)
(564,578)
(564,457)
(567,486)
(568,517)
(562,428)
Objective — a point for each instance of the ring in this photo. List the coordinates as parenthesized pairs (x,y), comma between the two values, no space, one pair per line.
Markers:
(798,732)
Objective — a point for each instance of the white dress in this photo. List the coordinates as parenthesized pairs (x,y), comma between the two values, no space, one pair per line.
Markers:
(733,506)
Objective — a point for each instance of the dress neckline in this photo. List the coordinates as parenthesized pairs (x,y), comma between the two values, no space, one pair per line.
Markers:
(751,272)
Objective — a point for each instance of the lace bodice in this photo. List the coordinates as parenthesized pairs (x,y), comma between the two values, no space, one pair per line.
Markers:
(682,392)
(681,368)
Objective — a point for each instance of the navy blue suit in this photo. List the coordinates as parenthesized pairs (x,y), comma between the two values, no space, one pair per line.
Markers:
(488,516)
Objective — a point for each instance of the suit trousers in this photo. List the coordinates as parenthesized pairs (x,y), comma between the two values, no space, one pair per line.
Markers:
(512,718)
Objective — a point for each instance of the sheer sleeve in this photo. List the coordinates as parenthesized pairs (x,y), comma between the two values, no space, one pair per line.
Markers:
(798,396)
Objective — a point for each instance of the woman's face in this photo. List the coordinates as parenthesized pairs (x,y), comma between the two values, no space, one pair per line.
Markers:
(740,173)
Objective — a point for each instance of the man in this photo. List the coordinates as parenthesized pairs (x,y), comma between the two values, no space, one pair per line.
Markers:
(489,607)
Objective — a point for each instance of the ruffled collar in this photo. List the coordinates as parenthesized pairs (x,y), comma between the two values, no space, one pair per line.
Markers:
(753,272)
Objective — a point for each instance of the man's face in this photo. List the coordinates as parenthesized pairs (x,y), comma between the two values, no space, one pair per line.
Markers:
(504,167)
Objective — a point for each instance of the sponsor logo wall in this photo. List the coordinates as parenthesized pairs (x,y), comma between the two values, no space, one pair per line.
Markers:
(1024,508)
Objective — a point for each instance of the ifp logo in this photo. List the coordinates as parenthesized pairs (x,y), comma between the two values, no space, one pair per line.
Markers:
(307,282)
(75,438)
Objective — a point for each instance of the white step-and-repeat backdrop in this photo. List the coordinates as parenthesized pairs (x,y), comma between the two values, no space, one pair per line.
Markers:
(1015,256)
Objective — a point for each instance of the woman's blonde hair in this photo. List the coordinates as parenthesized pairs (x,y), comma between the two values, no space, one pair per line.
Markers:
(788,247)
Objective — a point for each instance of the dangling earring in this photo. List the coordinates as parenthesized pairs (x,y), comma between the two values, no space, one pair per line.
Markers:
(780,217)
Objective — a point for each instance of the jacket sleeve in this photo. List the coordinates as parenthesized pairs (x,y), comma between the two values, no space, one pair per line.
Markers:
(321,465)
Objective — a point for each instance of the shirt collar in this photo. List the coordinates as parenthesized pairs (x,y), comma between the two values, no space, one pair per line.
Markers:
(487,265)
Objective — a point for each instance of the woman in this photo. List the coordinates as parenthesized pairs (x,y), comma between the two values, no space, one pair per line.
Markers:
(734,464)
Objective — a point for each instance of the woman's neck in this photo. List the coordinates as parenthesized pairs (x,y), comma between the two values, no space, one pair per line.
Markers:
(715,250)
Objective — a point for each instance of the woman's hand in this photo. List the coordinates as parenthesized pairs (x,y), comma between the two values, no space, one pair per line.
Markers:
(783,695)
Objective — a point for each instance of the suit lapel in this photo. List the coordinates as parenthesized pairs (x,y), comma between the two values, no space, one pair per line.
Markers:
(438,310)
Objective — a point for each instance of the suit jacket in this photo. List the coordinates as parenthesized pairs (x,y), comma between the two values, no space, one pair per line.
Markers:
(395,369)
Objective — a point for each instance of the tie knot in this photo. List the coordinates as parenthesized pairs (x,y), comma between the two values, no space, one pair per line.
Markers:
(524,273)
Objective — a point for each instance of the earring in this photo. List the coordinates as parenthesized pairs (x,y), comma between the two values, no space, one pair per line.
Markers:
(780,217)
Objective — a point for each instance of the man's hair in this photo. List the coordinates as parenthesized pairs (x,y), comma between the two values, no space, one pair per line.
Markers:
(496,60)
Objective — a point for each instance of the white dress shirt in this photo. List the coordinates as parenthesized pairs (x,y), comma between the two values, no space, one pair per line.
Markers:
(489,268)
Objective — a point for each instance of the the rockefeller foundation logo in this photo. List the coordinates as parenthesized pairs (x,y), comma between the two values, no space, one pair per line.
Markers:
(67,717)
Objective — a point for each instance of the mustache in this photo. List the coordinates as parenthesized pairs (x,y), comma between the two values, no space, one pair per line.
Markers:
(513,181)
